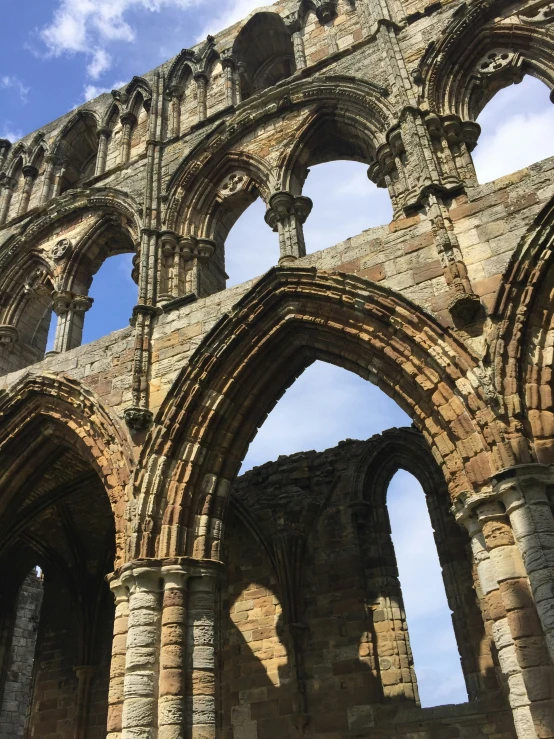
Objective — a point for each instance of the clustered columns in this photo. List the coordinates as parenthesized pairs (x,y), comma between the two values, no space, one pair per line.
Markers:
(128,122)
(70,309)
(163,657)
(104,135)
(512,534)
(184,260)
(286,215)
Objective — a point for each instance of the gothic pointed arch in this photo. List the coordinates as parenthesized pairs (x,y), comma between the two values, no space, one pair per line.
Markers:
(338,127)
(76,148)
(292,317)
(477,56)
(264,52)
(59,408)
(138,92)
(521,354)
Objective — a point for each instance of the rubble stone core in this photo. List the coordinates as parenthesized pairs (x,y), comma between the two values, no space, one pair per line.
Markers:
(269,607)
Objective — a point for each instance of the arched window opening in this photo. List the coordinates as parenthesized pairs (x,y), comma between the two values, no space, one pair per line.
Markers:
(79,150)
(18,672)
(114,293)
(345,203)
(435,653)
(264,52)
(325,405)
(251,248)
(516,130)
(17,177)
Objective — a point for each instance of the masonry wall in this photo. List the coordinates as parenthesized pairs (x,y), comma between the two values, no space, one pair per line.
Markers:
(321,674)
(18,685)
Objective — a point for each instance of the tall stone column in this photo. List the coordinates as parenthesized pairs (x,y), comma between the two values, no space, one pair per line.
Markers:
(85,676)
(29,174)
(516,629)
(59,171)
(286,215)
(140,691)
(173,678)
(229,67)
(47,179)
(201,80)
(175,95)
(8,186)
(201,659)
(128,122)
(70,309)
(119,650)
(104,135)
(523,492)
(294,27)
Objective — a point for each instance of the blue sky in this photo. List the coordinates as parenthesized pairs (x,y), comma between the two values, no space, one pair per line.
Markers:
(57,53)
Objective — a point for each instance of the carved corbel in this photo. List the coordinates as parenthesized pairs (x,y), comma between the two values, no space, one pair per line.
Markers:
(138,419)
(325,10)
(8,335)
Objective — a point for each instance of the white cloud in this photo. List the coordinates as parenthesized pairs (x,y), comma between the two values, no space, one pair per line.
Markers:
(100,63)
(9,132)
(93,91)
(232,13)
(516,130)
(11,82)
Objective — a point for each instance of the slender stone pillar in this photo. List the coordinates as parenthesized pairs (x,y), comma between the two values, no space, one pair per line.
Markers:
(104,135)
(8,187)
(140,706)
(201,682)
(117,668)
(175,98)
(59,172)
(299,51)
(85,676)
(29,175)
(70,309)
(286,215)
(202,92)
(47,179)
(228,64)
(128,122)
(172,703)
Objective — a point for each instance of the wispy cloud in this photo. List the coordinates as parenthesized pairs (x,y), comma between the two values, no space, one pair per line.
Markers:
(93,91)
(8,131)
(88,26)
(12,82)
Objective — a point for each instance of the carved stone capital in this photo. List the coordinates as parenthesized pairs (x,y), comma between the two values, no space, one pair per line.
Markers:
(5,144)
(283,205)
(66,301)
(30,171)
(138,419)
(128,119)
(325,11)
(228,60)
(8,335)
(205,248)
(168,242)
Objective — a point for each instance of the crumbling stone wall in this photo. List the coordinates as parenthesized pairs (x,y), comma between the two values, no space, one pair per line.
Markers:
(303,636)
(18,682)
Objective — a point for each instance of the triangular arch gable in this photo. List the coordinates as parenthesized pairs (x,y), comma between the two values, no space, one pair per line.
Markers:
(77,418)
(292,317)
